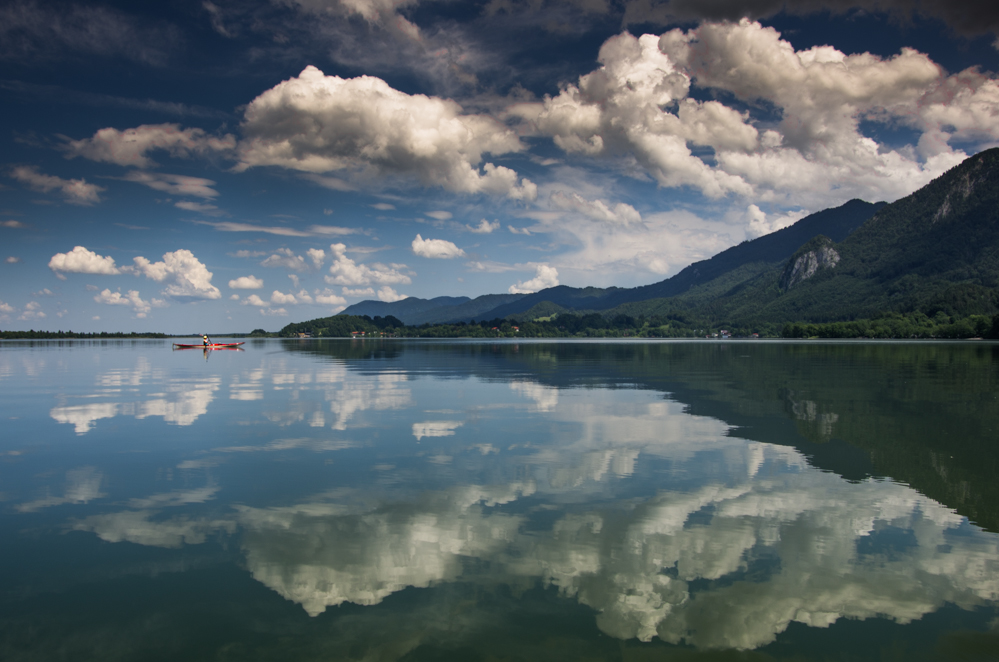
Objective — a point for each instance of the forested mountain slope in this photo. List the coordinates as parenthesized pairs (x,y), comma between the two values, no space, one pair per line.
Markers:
(933,252)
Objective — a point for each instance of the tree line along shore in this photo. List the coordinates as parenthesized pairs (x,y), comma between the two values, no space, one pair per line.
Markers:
(888,326)
(593,325)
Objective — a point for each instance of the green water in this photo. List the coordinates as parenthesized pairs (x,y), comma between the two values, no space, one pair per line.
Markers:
(380,500)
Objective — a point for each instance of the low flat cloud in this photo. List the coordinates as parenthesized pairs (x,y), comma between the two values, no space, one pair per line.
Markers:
(174,184)
(74,191)
(131,147)
(310,231)
(200,208)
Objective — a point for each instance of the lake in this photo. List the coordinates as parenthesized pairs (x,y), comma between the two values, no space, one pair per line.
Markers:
(421,500)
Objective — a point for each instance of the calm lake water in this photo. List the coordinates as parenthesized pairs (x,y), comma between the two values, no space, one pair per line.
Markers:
(394,500)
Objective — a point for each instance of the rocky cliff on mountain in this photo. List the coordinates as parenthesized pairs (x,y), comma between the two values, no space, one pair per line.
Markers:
(807,261)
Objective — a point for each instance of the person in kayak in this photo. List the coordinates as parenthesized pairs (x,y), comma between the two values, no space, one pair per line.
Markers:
(206,341)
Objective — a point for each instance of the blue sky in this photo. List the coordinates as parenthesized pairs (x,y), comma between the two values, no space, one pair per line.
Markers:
(224,166)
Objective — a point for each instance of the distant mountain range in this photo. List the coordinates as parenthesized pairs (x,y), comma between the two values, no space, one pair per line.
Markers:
(935,251)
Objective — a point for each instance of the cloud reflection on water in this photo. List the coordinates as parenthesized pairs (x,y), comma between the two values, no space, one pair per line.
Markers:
(320,560)
(145,527)
(435,429)
(659,520)
(757,540)
(181,402)
(651,568)
(82,486)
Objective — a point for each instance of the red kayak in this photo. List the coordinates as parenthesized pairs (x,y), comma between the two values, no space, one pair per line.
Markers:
(215,345)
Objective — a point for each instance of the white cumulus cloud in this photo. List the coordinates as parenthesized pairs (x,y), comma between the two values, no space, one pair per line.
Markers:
(280,298)
(618,109)
(187,275)
(436,248)
(816,153)
(131,298)
(638,104)
(388,295)
(32,311)
(317,255)
(317,123)
(963,107)
(285,257)
(484,227)
(545,277)
(250,282)
(328,297)
(254,300)
(344,271)
(759,223)
(83,261)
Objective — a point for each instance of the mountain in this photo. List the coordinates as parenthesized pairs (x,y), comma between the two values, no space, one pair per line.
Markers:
(413,311)
(404,308)
(474,309)
(836,223)
(757,255)
(934,252)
